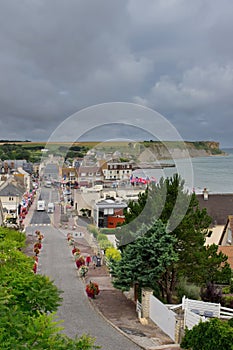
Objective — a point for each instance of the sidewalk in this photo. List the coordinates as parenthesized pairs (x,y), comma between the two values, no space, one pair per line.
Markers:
(116,308)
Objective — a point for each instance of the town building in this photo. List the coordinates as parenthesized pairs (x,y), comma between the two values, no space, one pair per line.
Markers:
(89,176)
(11,195)
(118,171)
(108,212)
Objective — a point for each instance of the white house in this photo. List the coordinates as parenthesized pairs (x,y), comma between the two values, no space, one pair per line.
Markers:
(11,196)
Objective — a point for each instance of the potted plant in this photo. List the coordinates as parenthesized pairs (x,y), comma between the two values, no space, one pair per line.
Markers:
(92,289)
(38,245)
(80,262)
(36,251)
(83,271)
(35,266)
(75,250)
(77,255)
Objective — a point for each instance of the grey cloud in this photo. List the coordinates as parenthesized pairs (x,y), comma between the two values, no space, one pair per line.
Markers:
(58,57)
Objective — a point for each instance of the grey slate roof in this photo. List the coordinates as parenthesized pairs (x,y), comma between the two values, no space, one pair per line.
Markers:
(11,190)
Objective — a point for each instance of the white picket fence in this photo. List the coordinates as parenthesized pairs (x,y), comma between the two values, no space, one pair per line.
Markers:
(191,319)
(201,308)
(226,312)
(196,311)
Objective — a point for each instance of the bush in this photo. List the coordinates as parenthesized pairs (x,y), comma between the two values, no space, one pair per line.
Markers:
(108,231)
(230,322)
(214,334)
(227,301)
(93,229)
(211,293)
(113,254)
(104,244)
(102,237)
(191,291)
(226,290)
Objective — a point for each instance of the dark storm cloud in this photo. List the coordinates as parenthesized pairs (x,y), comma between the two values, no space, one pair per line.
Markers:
(174,56)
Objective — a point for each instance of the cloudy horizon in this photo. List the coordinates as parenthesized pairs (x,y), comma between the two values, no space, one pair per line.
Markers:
(58,57)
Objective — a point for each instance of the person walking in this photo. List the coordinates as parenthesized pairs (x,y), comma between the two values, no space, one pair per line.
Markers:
(88,260)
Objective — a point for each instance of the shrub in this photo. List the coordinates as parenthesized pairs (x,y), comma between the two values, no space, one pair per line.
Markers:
(227,301)
(214,334)
(93,229)
(102,237)
(230,322)
(190,290)
(113,254)
(104,244)
(226,290)
(108,231)
(211,293)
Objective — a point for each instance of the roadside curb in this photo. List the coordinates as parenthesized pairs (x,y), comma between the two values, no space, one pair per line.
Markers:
(91,302)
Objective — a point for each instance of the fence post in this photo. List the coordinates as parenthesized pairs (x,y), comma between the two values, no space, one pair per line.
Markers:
(179,329)
(146,293)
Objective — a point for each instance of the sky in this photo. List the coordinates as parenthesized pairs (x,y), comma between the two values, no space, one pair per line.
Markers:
(58,57)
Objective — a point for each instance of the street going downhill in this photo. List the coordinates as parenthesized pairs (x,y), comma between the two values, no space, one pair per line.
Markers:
(79,316)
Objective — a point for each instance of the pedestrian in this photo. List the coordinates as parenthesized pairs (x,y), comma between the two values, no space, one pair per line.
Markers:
(88,260)
(94,259)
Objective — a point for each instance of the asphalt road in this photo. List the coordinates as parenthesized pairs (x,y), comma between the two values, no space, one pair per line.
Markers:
(79,317)
(42,217)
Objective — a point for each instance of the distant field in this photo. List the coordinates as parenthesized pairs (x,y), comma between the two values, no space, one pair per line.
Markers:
(89,144)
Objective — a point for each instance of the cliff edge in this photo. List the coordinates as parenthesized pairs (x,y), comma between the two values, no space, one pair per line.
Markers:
(176,149)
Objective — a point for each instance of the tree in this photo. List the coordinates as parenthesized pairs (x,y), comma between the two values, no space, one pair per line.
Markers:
(27,303)
(134,209)
(213,334)
(145,259)
(190,227)
(179,211)
(38,332)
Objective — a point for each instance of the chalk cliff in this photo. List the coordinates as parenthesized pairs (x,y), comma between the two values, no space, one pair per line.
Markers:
(152,150)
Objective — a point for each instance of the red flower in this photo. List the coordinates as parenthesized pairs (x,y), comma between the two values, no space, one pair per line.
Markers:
(92,289)
(75,250)
(36,251)
(80,262)
(38,245)
(34,267)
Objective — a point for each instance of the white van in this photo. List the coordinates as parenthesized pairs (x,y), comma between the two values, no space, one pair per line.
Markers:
(50,208)
(40,205)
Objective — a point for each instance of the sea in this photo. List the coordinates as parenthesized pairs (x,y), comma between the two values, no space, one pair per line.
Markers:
(214,173)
